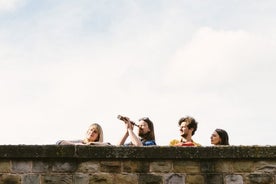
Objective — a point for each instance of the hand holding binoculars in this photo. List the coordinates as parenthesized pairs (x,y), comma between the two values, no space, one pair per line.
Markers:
(123,118)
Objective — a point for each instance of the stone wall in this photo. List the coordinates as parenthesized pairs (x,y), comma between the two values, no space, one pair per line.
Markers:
(55,164)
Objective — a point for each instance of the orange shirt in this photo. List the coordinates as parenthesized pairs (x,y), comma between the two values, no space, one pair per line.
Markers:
(175,142)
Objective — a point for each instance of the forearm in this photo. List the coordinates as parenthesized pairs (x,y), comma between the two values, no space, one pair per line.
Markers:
(71,142)
(123,139)
(64,142)
(134,139)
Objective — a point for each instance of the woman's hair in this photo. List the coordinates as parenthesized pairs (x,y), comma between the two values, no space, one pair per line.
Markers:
(100,132)
(151,135)
(223,136)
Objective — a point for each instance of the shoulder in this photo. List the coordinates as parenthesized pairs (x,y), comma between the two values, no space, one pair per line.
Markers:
(196,144)
(68,142)
(174,142)
(149,143)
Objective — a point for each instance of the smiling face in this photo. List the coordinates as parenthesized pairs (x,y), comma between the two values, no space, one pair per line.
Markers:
(215,138)
(92,134)
(185,131)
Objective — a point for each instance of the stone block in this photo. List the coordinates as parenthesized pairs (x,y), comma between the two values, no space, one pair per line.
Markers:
(161,166)
(223,166)
(259,179)
(57,179)
(125,178)
(64,166)
(88,167)
(41,167)
(136,166)
(233,179)
(186,167)
(10,179)
(81,179)
(31,179)
(101,178)
(194,179)
(21,166)
(243,166)
(266,168)
(110,166)
(214,179)
(207,167)
(5,166)
(150,179)
(174,179)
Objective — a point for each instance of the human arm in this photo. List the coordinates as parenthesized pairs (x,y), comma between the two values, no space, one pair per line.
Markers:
(134,139)
(123,139)
(74,142)
(129,133)
(125,136)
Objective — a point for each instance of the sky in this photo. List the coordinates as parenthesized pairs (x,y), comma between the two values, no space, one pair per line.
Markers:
(67,64)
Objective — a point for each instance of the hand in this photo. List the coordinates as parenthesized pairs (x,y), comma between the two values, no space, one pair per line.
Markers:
(129,125)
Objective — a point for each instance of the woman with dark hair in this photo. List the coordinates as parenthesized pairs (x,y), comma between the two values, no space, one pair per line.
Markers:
(145,133)
(219,137)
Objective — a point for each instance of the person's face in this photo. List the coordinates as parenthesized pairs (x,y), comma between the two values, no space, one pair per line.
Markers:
(215,138)
(143,128)
(92,134)
(184,130)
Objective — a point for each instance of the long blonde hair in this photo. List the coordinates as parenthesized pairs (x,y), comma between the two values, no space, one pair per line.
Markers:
(100,132)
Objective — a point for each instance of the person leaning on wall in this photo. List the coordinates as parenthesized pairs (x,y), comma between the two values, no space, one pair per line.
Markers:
(94,136)
(187,128)
(145,136)
(219,137)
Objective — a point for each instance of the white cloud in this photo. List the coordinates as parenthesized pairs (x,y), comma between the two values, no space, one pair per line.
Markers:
(67,69)
(219,57)
(10,5)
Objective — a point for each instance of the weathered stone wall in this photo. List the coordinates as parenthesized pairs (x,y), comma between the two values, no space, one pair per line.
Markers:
(53,164)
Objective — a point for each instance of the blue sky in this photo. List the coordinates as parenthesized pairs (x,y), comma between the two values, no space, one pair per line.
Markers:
(67,64)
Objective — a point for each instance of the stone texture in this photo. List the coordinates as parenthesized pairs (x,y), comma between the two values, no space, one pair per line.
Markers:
(88,167)
(110,166)
(122,152)
(10,179)
(57,179)
(194,179)
(103,178)
(207,167)
(81,179)
(260,179)
(174,179)
(186,167)
(126,179)
(31,179)
(161,166)
(21,166)
(37,151)
(224,166)
(233,179)
(214,179)
(5,166)
(135,166)
(150,179)
(269,168)
(64,166)
(41,167)
(243,166)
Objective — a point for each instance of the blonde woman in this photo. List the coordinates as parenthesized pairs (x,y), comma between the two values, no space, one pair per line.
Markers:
(94,136)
